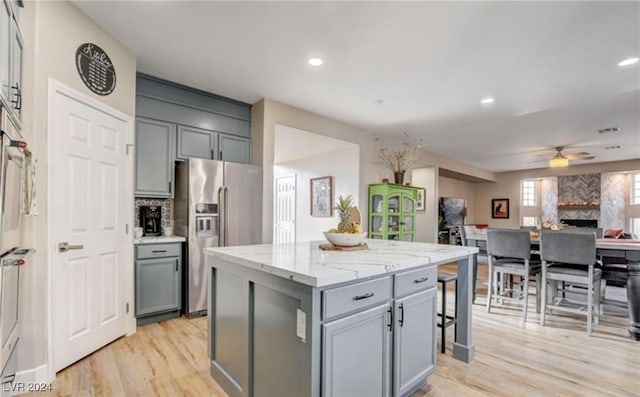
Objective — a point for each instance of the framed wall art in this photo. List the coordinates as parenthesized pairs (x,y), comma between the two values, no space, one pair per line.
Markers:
(321,196)
(500,208)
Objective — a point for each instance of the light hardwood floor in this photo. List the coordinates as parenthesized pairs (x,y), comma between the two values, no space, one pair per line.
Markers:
(170,359)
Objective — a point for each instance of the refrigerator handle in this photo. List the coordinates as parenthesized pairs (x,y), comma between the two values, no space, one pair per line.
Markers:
(221,217)
(226,216)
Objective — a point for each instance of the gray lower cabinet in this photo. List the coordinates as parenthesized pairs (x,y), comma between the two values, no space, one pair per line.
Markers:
(414,341)
(196,143)
(233,148)
(357,354)
(158,281)
(275,337)
(154,158)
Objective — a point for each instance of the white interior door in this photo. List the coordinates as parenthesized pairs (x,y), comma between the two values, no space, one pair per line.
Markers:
(89,178)
(285,211)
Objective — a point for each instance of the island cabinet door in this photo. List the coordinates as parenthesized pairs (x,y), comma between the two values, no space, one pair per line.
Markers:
(357,354)
(414,340)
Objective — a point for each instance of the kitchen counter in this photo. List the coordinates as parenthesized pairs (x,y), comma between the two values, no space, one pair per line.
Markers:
(159,240)
(293,320)
(305,263)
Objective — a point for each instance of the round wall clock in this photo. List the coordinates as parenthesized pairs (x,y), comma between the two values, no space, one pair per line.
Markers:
(96,69)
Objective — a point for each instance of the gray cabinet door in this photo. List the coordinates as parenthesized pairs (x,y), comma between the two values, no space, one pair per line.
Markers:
(414,340)
(154,158)
(157,285)
(5,50)
(15,96)
(234,148)
(197,143)
(357,355)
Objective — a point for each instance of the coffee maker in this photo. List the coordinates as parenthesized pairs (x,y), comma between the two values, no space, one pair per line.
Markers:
(151,220)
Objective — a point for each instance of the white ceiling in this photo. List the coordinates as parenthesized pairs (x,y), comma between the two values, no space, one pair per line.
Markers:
(552,67)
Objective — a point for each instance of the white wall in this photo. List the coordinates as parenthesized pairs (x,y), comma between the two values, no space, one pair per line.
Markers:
(266,114)
(427,220)
(52,32)
(343,166)
(507,185)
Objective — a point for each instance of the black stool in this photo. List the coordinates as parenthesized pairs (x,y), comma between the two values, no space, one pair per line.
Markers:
(445,319)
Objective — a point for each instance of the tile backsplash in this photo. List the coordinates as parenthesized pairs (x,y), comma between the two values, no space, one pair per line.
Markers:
(167,210)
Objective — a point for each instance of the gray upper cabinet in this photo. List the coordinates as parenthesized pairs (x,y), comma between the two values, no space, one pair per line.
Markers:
(11,50)
(154,158)
(5,53)
(234,148)
(15,96)
(357,355)
(414,340)
(196,142)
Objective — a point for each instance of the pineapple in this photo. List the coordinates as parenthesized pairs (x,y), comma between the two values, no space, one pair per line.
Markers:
(343,207)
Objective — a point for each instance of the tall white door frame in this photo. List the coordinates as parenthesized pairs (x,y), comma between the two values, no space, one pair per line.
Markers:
(57,88)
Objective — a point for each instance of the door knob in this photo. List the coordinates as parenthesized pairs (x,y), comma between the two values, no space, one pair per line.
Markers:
(64,247)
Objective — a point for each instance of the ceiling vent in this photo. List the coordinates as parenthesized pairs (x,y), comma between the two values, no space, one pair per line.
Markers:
(608,130)
(613,147)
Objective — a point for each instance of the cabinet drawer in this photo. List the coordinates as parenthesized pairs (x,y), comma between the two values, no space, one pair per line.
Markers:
(415,280)
(157,250)
(354,297)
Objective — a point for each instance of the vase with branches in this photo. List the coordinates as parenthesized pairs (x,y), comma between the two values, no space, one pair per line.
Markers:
(399,158)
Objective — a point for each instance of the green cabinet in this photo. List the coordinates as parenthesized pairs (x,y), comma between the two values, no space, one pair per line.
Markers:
(392,211)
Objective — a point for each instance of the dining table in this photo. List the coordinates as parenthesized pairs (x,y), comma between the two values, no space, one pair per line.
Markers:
(628,251)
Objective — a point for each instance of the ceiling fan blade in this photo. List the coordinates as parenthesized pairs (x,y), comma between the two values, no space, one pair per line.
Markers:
(537,161)
(585,158)
(580,156)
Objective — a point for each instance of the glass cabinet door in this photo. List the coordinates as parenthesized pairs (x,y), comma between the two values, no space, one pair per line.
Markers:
(376,203)
(408,205)
(393,204)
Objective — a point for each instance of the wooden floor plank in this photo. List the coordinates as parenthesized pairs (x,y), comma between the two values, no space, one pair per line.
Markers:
(170,359)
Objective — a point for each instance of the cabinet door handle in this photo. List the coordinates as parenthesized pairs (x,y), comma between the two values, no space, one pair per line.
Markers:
(159,251)
(401,321)
(390,325)
(220,155)
(176,265)
(169,186)
(421,280)
(213,154)
(363,296)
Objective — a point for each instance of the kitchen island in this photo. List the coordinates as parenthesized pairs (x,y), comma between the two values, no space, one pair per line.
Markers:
(293,320)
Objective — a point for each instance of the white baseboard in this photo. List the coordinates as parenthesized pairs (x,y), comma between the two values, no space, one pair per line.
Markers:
(39,375)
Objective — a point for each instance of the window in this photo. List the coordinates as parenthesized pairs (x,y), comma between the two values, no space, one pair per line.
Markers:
(635,189)
(529,221)
(635,226)
(529,193)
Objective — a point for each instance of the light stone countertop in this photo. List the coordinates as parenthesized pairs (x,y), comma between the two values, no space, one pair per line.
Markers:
(305,263)
(159,240)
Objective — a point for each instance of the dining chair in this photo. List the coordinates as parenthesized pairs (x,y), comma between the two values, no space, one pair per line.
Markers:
(570,257)
(509,252)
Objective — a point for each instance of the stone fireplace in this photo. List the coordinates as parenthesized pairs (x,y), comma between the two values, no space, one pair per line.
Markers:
(579,199)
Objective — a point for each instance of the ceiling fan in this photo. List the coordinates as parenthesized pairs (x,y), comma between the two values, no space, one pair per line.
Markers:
(562,160)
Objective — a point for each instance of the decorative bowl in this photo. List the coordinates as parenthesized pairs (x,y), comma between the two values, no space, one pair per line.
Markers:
(345,239)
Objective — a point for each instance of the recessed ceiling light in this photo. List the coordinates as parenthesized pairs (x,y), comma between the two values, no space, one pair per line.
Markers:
(487,100)
(315,61)
(629,61)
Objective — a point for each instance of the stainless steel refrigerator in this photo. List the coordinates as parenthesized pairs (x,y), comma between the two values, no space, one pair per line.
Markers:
(217,203)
